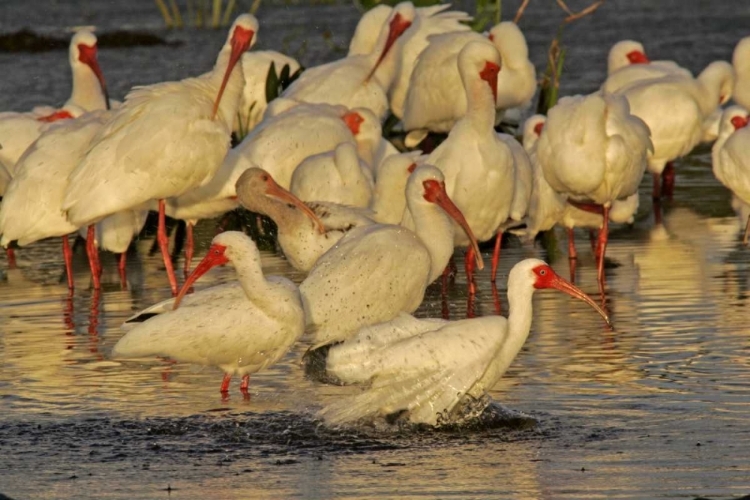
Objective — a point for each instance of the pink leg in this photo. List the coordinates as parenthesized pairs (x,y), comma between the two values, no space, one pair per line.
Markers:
(121,264)
(469,264)
(496,300)
(225,383)
(93,253)
(656,190)
(163,240)
(11,258)
(188,248)
(572,254)
(496,256)
(244,385)
(668,176)
(68,258)
(602,249)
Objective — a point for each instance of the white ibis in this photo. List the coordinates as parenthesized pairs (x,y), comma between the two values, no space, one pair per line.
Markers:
(675,108)
(731,158)
(241,329)
(355,81)
(433,370)
(626,53)
(255,68)
(19,130)
(478,166)
(435,98)
(741,63)
(305,232)
(593,151)
(547,207)
(628,63)
(165,140)
(376,271)
(281,142)
(389,196)
(337,176)
(32,206)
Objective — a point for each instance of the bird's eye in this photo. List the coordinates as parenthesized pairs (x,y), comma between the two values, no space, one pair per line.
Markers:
(265,178)
(542,272)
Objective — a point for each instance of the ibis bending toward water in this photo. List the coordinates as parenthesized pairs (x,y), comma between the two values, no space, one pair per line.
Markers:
(165,140)
(240,327)
(429,371)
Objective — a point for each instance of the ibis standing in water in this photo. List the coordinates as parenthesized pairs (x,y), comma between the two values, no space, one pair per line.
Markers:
(241,327)
(429,370)
(165,140)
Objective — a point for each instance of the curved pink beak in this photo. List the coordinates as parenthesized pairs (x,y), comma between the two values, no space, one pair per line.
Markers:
(57,115)
(396,28)
(282,194)
(241,40)
(87,55)
(435,193)
(558,283)
(214,257)
(489,75)
(739,122)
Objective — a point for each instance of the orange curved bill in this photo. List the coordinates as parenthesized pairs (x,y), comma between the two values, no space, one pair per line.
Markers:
(215,257)
(241,40)
(282,194)
(564,286)
(87,55)
(443,201)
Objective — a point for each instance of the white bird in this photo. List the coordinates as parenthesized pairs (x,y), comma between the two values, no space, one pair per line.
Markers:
(628,63)
(624,54)
(434,101)
(593,151)
(337,176)
(355,81)
(478,166)
(731,159)
(436,371)
(548,208)
(4,178)
(32,206)
(675,108)
(376,271)
(389,196)
(281,142)
(165,140)
(241,329)
(255,68)
(19,130)
(741,63)
(305,231)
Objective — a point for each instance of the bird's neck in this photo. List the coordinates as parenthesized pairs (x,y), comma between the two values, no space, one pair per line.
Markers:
(480,105)
(87,91)
(388,200)
(435,229)
(712,80)
(520,306)
(251,278)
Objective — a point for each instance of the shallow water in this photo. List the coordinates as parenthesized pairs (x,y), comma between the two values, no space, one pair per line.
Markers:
(655,409)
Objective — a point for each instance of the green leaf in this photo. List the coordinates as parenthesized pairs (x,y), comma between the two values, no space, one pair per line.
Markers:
(272,84)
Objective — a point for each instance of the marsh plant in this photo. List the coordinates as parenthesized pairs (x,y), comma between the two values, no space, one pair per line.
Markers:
(202,13)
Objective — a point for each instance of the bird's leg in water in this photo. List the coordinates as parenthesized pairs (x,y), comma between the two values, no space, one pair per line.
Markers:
(572,254)
(496,300)
(244,386)
(11,258)
(496,256)
(656,190)
(747,231)
(469,264)
(121,263)
(189,248)
(68,258)
(225,383)
(93,254)
(444,289)
(163,239)
(668,177)
(601,248)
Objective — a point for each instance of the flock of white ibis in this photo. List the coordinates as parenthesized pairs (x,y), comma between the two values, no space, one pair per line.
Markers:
(370,224)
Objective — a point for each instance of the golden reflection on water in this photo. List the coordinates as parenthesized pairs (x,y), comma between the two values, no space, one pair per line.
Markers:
(617,405)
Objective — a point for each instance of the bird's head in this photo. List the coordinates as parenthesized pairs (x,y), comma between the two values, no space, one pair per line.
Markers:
(84,49)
